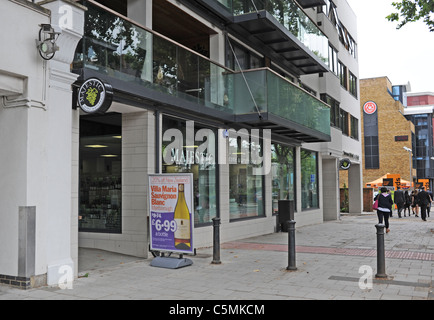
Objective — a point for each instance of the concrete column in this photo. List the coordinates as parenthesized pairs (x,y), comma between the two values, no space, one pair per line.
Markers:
(330,177)
(355,189)
(60,212)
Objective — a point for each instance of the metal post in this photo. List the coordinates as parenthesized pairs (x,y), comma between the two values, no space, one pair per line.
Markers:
(381,257)
(216,246)
(291,245)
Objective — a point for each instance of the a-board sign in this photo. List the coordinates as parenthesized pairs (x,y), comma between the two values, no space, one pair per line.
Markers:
(171,212)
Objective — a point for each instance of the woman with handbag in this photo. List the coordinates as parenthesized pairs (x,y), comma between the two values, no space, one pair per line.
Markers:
(385,203)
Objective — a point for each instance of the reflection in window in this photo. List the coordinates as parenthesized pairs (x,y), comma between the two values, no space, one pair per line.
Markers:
(283,172)
(309,179)
(198,157)
(245,187)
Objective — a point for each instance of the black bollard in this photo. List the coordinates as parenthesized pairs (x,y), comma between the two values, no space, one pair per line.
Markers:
(216,246)
(381,257)
(291,245)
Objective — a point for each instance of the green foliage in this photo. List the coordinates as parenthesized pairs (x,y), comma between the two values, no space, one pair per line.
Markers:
(411,11)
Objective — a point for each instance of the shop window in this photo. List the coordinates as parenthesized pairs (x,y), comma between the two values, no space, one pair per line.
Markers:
(283,174)
(309,179)
(189,147)
(100,174)
(245,185)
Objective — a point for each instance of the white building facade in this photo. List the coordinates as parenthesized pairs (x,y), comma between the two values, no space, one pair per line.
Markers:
(270,91)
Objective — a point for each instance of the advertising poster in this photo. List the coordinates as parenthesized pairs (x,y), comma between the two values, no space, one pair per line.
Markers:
(171,212)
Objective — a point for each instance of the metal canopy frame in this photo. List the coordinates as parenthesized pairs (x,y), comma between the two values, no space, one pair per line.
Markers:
(264,30)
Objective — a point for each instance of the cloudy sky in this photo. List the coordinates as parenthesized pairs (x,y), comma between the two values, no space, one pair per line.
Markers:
(405,55)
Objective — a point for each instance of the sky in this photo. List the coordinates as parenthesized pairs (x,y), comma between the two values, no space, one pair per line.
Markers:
(404,55)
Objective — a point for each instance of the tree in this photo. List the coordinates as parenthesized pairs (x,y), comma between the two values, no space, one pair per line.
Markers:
(411,11)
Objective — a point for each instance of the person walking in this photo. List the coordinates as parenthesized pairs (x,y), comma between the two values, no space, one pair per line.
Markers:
(424,200)
(428,208)
(407,203)
(414,204)
(385,203)
(399,200)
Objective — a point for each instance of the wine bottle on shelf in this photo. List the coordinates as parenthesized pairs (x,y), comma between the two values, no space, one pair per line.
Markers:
(182,218)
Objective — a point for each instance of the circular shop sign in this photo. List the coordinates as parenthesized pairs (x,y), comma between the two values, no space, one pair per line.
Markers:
(345,164)
(95,96)
(370,107)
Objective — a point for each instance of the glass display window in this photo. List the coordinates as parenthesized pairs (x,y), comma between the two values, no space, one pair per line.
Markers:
(283,173)
(246,197)
(100,174)
(190,147)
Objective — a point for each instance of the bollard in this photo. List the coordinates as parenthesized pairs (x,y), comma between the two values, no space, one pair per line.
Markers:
(216,245)
(291,245)
(381,257)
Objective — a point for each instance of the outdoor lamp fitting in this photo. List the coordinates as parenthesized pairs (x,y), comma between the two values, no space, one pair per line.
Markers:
(46,43)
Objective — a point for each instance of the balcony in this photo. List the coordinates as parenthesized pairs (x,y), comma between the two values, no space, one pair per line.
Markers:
(280,28)
(272,102)
(142,63)
(152,71)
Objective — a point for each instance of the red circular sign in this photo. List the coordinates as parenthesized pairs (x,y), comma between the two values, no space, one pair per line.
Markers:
(370,107)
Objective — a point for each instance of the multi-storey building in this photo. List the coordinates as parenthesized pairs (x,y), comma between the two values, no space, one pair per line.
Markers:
(259,101)
(419,111)
(388,136)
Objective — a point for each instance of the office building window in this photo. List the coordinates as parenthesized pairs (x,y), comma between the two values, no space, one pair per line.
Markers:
(354,124)
(334,109)
(344,122)
(353,85)
(342,73)
(333,60)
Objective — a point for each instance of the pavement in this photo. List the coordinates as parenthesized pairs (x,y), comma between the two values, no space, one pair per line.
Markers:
(335,260)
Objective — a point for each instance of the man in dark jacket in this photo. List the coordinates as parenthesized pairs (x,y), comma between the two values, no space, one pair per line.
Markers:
(424,201)
(399,200)
(385,203)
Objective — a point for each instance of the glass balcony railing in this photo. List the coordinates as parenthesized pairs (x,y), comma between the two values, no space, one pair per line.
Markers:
(291,16)
(278,96)
(119,48)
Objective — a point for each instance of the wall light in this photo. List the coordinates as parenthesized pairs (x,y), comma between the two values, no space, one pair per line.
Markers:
(46,42)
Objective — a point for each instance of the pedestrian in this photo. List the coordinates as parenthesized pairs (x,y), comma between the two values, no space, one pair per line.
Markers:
(428,208)
(385,203)
(414,205)
(407,203)
(399,200)
(424,200)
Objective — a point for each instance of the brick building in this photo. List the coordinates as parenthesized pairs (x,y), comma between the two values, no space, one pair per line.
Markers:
(385,130)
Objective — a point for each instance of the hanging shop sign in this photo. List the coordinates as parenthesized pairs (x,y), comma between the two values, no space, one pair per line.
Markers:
(95,96)
(345,164)
(171,212)
(370,107)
